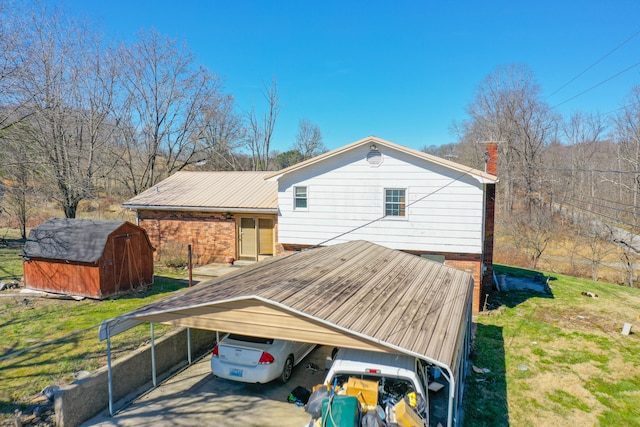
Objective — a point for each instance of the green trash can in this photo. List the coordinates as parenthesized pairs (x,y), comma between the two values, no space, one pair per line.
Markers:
(342,411)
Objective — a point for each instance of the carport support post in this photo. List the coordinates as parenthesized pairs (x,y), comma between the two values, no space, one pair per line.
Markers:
(189,345)
(109,374)
(153,355)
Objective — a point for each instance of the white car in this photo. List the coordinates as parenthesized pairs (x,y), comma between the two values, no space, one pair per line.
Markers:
(256,360)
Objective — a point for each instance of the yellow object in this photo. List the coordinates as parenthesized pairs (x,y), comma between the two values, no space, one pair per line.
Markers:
(413,400)
(406,416)
(365,390)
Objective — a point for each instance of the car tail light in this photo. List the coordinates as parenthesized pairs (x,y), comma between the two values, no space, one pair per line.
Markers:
(372,371)
(214,353)
(266,358)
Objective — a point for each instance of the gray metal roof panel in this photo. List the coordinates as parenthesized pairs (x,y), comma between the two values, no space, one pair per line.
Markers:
(81,240)
(391,296)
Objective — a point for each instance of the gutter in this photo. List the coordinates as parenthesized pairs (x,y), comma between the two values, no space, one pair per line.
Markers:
(200,209)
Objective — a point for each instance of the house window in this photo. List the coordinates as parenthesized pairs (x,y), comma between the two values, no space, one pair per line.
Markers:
(299,197)
(394,202)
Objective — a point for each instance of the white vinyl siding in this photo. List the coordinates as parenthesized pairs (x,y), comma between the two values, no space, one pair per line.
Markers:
(443,208)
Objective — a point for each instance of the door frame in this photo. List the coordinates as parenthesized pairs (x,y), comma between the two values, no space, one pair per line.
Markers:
(256,218)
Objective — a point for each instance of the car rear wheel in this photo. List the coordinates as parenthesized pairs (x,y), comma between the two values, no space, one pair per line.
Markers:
(286,371)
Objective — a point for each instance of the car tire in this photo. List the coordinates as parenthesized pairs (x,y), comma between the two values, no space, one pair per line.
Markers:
(287,370)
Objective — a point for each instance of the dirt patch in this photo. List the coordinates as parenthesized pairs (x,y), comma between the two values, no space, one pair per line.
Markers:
(575,319)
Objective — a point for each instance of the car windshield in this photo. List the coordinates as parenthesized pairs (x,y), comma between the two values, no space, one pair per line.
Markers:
(255,340)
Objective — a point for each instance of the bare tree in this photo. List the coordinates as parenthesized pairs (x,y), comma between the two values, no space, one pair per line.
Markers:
(160,117)
(627,132)
(21,172)
(221,134)
(12,47)
(260,131)
(533,234)
(68,83)
(309,139)
(508,109)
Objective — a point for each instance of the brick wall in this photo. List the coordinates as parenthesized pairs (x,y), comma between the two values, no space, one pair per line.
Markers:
(475,268)
(489,228)
(211,234)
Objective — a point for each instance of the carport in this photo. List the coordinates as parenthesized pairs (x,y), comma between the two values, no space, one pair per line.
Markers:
(356,294)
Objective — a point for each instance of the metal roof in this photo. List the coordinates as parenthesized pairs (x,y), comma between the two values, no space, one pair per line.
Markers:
(481,176)
(356,294)
(210,191)
(70,239)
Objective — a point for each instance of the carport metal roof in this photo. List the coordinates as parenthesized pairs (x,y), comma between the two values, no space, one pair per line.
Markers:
(356,294)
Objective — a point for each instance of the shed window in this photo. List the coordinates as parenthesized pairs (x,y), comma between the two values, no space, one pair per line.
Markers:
(394,202)
(300,197)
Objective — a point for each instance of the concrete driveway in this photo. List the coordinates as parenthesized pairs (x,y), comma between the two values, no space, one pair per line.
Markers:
(195,397)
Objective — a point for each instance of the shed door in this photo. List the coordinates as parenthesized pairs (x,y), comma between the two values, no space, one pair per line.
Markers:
(126,263)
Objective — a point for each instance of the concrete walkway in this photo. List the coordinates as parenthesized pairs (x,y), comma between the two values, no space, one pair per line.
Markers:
(195,398)
(216,270)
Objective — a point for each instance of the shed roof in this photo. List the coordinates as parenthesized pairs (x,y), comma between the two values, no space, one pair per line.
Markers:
(356,294)
(70,239)
(479,175)
(210,191)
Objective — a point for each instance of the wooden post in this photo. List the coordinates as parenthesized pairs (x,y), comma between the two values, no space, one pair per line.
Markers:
(190,266)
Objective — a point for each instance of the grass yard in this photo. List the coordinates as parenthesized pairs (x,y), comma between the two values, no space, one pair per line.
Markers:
(558,360)
(553,360)
(60,338)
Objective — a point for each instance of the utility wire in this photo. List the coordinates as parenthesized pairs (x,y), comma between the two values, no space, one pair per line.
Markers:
(595,198)
(561,191)
(597,214)
(586,170)
(596,85)
(594,64)
(551,193)
(384,216)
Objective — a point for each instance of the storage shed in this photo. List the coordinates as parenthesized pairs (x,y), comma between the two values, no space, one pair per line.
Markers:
(91,258)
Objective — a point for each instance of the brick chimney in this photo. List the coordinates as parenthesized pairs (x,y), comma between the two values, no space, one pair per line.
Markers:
(491,158)
(491,167)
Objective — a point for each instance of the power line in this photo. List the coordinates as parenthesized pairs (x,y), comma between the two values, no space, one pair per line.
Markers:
(596,85)
(580,200)
(598,199)
(597,214)
(384,216)
(594,64)
(586,170)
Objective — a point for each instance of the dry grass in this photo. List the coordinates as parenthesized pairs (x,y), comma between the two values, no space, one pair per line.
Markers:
(558,361)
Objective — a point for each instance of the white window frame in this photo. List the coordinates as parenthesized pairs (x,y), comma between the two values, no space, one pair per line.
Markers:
(384,203)
(296,198)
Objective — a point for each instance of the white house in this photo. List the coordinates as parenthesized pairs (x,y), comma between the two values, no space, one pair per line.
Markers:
(394,196)
(372,190)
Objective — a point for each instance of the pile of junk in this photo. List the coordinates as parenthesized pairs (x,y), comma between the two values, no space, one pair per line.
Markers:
(358,402)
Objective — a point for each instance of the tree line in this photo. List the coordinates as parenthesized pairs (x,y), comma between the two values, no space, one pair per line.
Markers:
(577,175)
(83,115)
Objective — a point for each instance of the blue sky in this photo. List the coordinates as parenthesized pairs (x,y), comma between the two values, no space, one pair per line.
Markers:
(401,70)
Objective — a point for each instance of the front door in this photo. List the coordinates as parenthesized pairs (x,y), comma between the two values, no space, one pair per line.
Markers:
(247,238)
(255,238)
